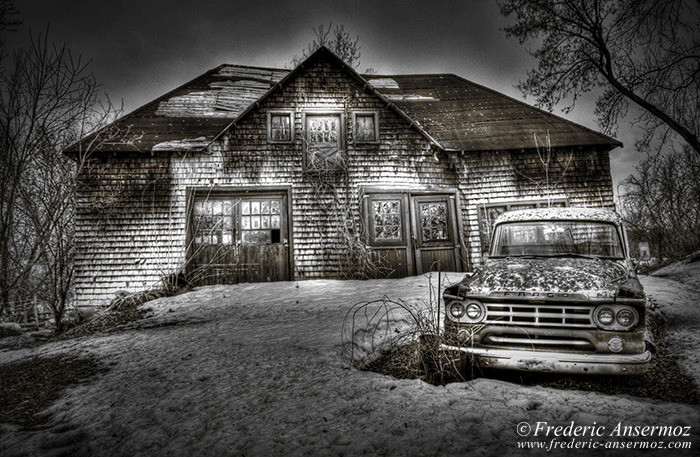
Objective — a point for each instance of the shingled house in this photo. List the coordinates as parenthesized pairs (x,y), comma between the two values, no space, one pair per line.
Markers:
(251,174)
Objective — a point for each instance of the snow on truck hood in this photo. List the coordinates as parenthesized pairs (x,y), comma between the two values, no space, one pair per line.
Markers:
(591,277)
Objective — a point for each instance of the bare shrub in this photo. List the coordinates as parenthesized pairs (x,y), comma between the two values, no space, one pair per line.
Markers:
(402,339)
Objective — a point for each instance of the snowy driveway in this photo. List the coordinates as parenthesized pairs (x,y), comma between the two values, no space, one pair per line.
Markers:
(254,370)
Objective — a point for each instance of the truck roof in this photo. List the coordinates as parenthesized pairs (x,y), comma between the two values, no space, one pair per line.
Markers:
(570,213)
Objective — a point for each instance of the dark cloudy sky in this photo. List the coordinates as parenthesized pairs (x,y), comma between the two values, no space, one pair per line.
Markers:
(142,49)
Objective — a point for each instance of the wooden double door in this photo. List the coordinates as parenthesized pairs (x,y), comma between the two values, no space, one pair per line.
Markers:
(236,237)
(413,233)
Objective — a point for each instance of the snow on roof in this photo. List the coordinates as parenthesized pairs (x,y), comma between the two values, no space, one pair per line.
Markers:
(590,214)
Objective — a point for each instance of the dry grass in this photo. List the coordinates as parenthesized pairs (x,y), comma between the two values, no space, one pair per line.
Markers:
(402,339)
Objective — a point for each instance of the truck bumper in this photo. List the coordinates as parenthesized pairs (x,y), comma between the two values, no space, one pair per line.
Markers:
(556,362)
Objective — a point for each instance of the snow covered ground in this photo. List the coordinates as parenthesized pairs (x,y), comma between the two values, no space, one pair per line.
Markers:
(677,289)
(254,369)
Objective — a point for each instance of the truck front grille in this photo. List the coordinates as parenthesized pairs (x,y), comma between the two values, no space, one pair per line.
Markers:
(538,342)
(539,315)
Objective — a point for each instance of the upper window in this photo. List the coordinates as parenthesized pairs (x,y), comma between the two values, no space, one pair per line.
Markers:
(365,127)
(324,141)
(280,127)
(490,212)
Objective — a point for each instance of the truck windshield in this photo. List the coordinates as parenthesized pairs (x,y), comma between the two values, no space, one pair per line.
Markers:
(557,239)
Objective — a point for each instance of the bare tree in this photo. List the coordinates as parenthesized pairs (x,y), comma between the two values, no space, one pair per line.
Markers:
(640,52)
(338,40)
(48,100)
(661,203)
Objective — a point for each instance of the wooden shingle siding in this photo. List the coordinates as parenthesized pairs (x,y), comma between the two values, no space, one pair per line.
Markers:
(124,226)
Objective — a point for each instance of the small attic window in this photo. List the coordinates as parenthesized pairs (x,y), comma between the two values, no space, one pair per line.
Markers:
(365,127)
(280,127)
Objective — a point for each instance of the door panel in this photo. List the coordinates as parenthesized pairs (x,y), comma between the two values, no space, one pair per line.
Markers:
(389,230)
(436,241)
(413,233)
(239,238)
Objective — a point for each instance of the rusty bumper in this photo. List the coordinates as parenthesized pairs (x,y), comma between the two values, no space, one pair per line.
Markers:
(557,362)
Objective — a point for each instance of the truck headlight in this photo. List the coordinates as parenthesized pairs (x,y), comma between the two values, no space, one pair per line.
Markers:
(615,317)
(626,317)
(474,311)
(456,310)
(467,312)
(605,316)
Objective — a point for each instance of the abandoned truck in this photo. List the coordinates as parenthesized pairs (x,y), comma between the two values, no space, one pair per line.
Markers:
(558,292)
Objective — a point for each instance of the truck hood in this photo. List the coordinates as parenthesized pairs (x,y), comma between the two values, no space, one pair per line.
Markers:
(595,278)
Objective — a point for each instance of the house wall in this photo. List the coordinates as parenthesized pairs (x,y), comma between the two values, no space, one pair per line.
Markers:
(133,249)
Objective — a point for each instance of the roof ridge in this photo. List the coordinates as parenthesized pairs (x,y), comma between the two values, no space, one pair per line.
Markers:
(405,74)
(253,67)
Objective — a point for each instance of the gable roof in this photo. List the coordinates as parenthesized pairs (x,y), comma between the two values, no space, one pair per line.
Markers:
(464,116)
(452,113)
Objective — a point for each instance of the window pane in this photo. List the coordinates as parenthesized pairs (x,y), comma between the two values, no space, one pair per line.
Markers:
(245,207)
(265,207)
(265,222)
(256,237)
(207,208)
(280,128)
(387,219)
(255,222)
(434,221)
(365,128)
(218,207)
(275,207)
(323,141)
(255,207)
(275,222)
(245,222)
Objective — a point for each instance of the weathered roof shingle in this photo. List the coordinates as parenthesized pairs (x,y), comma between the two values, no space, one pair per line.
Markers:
(456,114)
